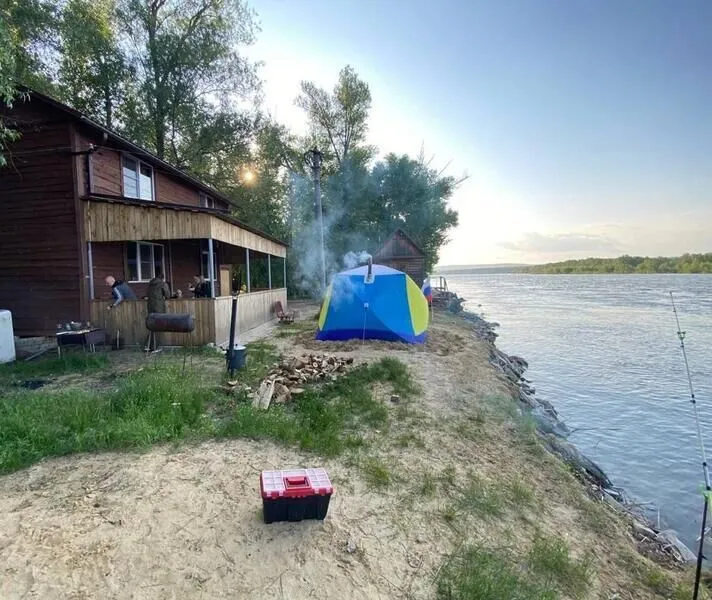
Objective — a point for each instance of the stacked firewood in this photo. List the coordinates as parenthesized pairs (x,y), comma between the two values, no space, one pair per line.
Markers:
(287,379)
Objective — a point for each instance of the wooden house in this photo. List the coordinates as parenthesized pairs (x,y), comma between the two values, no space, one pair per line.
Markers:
(79,202)
(400,252)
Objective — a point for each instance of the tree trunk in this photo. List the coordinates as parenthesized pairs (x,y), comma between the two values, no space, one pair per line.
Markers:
(159,112)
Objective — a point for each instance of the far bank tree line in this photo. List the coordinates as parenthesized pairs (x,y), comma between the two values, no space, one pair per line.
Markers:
(687,263)
(172,75)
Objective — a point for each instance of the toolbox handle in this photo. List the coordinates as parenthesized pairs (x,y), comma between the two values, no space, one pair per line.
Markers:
(296,481)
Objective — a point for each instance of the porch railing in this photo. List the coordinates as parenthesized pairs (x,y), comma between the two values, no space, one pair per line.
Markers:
(212,317)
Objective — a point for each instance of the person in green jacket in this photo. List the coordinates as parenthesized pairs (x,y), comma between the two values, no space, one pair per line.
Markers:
(158,293)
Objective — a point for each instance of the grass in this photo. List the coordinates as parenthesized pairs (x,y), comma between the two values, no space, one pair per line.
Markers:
(52,367)
(476,573)
(157,404)
(490,500)
(376,473)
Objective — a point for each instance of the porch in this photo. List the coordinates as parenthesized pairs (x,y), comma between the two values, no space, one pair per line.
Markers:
(134,240)
(212,317)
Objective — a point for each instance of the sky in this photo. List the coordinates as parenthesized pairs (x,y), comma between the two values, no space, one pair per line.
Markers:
(585,126)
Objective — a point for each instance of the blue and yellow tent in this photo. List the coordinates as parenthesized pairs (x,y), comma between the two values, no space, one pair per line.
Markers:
(380,304)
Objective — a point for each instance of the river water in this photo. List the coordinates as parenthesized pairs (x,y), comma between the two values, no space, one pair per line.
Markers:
(604,350)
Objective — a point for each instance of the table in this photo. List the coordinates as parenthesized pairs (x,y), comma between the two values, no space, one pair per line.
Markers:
(87,338)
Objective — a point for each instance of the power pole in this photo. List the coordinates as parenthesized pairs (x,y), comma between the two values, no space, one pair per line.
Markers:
(315,159)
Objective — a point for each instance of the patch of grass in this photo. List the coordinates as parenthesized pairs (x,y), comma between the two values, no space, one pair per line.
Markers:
(492,500)
(52,366)
(481,499)
(526,436)
(427,486)
(157,404)
(329,418)
(551,561)
(291,329)
(448,476)
(478,574)
(376,473)
(475,573)
(149,406)
(595,516)
(404,440)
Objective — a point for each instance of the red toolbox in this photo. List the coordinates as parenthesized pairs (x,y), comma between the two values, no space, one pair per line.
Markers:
(296,494)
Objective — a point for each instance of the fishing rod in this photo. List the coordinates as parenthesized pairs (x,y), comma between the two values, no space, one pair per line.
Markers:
(705,469)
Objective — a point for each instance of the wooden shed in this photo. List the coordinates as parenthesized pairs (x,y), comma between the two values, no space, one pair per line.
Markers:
(400,252)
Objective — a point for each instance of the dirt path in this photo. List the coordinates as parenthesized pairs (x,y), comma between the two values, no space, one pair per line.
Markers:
(186,523)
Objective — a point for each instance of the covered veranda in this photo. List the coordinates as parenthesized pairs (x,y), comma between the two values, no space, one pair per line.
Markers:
(135,239)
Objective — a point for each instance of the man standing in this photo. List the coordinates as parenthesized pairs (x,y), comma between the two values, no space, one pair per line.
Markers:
(158,293)
(120,291)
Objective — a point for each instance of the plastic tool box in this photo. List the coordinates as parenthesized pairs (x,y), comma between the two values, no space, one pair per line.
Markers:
(296,494)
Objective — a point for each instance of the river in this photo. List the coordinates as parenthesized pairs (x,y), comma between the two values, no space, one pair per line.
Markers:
(604,350)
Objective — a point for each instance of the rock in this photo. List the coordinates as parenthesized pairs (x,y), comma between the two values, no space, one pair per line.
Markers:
(297,391)
(641,530)
(351,546)
(395,398)
(571,455)
(546,423)
(682,552)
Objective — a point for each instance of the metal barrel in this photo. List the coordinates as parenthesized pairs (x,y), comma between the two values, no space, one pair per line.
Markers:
(174,322)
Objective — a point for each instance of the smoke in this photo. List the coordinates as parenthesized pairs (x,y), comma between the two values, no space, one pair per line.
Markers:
(338,192)
(354,259)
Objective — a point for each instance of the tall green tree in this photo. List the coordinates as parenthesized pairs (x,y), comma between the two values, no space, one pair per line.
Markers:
(188,62)
(339,120)
(94,76)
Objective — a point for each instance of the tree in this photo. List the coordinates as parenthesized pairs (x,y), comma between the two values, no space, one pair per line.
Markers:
(339,120)
(94,76)
(186,56)
(7,86)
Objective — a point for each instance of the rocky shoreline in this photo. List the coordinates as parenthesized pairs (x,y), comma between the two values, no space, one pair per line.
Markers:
(662,545)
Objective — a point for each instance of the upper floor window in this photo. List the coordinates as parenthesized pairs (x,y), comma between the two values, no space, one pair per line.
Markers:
(138,179)
(206,201)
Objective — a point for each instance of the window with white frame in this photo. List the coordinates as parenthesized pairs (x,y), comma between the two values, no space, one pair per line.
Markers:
(144,260)
(206,201)
(138,178)
(204,269)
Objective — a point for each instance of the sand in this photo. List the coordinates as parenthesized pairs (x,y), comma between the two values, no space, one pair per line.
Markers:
(185,522)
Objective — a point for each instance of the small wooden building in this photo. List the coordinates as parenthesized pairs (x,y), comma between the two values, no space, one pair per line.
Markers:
(400,252)
(79,202)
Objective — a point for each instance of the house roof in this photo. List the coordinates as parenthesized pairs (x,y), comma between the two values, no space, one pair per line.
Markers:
(404,235)
(153,160)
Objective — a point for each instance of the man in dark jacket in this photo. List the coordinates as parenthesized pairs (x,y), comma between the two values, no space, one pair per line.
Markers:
(158,293)
(120,291)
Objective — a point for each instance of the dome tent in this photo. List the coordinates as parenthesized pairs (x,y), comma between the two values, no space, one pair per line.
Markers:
(375,303)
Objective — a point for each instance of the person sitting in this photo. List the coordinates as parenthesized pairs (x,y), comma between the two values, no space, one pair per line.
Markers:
(120,291)
(200,287)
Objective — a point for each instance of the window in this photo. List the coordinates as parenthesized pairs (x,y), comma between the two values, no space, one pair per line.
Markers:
(204,263)
(144,259)
(206,201)
(138,179)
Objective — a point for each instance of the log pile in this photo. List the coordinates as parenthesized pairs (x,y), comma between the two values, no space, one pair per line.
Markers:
(288,378)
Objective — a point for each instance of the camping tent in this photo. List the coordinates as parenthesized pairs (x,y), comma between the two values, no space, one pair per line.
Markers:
(377,303)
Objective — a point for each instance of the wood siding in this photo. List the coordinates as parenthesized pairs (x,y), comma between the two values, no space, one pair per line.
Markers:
(106,172)
(414,267)
(212,318)
(171,190)
(108,222)
(40,266)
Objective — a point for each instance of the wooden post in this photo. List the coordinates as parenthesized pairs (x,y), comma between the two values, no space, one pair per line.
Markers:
(247,261)
(90,265)
(269,271)
(284,267)
(211,267)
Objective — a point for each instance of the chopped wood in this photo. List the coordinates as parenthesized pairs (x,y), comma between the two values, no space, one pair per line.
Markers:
(288,377)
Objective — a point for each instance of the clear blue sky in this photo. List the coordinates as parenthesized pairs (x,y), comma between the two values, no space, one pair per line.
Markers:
(585,126)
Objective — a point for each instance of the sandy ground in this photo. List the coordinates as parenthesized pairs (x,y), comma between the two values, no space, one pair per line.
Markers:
(185,522)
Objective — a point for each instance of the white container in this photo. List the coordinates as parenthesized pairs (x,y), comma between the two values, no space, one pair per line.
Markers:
(7,338)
